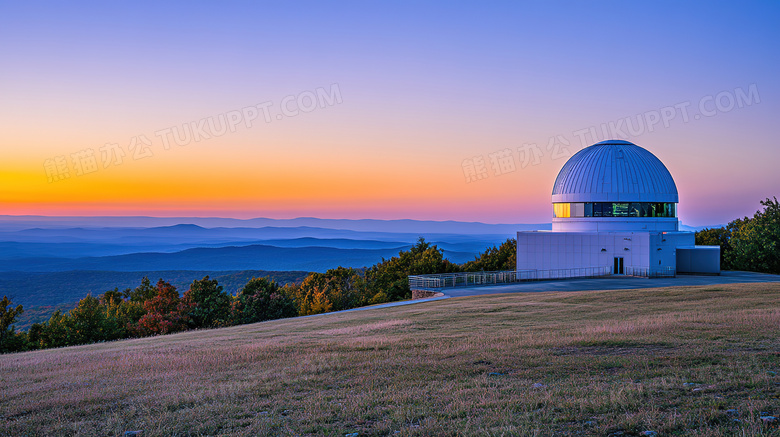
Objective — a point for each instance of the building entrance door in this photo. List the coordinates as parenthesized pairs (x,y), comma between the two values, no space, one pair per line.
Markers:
(618,270)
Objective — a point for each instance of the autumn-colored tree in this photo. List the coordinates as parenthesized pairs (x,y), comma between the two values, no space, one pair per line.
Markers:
(336,289)
(165,313)
(495,258)
(262,299)
(210,304)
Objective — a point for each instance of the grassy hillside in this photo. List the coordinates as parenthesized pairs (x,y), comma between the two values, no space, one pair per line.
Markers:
(671,360)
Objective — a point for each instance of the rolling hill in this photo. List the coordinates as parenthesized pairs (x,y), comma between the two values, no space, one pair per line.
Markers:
(682,361)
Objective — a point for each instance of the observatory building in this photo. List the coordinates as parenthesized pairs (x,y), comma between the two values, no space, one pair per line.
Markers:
(614,212)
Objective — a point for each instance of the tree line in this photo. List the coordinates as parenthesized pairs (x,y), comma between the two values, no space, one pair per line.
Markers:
(750,243)
(158,309)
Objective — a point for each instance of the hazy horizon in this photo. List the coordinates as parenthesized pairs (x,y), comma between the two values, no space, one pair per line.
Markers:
(188,219)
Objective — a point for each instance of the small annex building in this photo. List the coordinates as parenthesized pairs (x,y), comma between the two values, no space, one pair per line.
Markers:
(614,212)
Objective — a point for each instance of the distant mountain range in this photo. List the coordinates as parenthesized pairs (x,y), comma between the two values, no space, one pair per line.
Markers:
(57,244)
(57,260)
(51,262)
(252,257)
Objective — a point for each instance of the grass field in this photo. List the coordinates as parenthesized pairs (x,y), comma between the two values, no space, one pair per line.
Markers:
(670,360)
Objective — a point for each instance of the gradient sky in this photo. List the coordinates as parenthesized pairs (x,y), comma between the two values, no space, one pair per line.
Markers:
(424,88)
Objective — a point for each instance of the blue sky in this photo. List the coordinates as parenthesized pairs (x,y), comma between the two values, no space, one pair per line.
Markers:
(425,87)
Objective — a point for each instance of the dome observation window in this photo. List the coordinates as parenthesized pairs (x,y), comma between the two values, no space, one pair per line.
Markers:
(614,209)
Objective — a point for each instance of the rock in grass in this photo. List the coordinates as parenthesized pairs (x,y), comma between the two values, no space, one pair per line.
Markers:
(495,374)
(352,434)
(769,420)
(540,385)
(134,433)
(732,413)
(650,433)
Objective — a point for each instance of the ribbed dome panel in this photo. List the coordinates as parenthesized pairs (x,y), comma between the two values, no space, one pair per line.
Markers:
(614,171)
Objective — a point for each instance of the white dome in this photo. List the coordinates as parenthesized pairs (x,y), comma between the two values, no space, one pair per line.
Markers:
(614,171)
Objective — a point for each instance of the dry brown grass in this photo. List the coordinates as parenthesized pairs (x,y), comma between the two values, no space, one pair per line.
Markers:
(606,361)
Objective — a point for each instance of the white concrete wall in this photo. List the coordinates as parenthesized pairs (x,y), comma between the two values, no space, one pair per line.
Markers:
(545,251)
(615,224)
(654,252)
(663,249)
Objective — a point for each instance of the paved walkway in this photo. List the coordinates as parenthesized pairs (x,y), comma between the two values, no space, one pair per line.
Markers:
(608,283)
(612,283)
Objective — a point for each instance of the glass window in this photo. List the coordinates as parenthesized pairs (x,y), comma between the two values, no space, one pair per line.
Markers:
(635,209)
(561,210)
(620,209)
(615,209)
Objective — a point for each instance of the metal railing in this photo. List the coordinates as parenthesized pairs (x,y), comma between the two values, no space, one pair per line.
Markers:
(469,279)
(645,272)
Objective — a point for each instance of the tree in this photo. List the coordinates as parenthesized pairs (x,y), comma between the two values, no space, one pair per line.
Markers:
(53,333)
(111,297)
(336,289)
(388,280)
(34,336)
(755,242)
(717,237)
(10,341)
(165,313)
(495,258)
(86,321)
(142,293)
(261,299)
(119,314)
(210,304)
